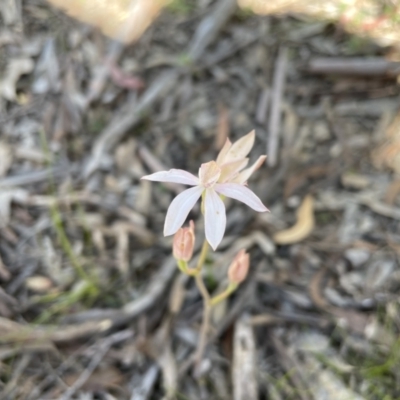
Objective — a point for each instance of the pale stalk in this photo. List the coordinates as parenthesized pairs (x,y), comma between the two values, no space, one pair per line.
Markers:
(202,258)
(205,325)
(222,296)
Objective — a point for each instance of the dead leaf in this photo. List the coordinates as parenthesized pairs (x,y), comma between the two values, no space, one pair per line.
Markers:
(123,20)
(15,69)
(303,227)
(392,192)
(362,18)
(387,155)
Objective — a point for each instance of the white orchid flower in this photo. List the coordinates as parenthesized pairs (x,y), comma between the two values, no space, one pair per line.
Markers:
(232,159)
(210,185)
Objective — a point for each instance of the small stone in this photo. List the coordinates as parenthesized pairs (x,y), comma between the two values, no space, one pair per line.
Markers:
(356,256)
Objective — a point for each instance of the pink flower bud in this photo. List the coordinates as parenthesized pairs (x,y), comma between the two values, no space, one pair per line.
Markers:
(239,267)
(183,244)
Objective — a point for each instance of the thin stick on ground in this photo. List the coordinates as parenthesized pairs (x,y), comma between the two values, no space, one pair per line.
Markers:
(276,107)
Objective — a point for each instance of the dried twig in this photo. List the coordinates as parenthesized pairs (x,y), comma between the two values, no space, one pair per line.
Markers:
(29,178)
(276,107)
(210,26)
(360,66)
(244,375)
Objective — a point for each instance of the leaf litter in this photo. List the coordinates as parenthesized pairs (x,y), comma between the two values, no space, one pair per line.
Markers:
(84,269)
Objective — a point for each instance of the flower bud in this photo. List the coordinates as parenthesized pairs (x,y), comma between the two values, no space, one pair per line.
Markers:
(183,244)
(239,267)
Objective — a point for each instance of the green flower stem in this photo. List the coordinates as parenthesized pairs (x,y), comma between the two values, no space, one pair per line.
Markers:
(183,266)
(208,302)
(226,293)
(202,257)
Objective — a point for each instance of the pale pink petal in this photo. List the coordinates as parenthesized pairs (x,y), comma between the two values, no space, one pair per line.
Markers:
(209,173)
(173,176)
(224,152)
(230,170)
(214,218)
(179,209)
(241,148)
(241,193)
(245,174)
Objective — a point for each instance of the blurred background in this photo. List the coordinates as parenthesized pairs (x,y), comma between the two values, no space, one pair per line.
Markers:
(95,94)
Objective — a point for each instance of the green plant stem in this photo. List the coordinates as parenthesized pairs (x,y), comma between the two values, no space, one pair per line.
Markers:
(183,266)
(202,259)
(222,296)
